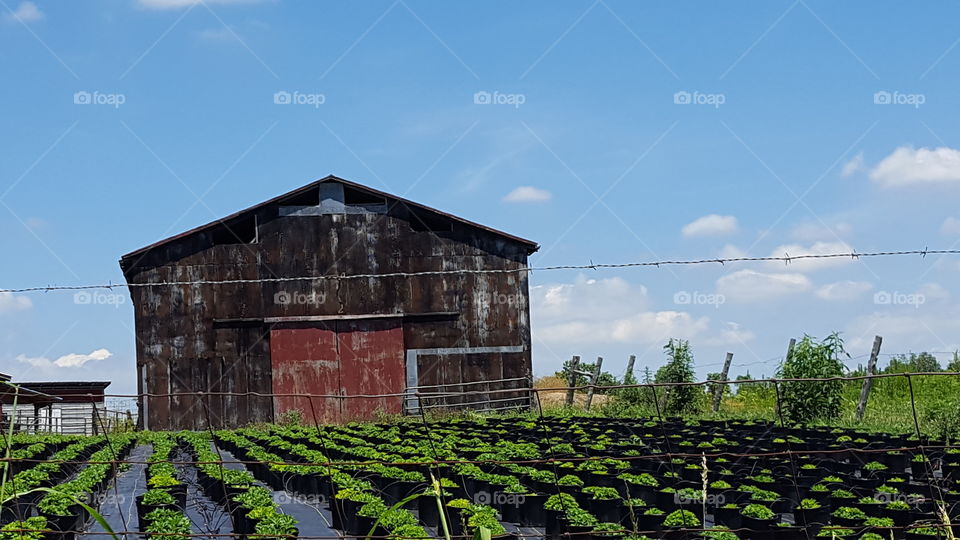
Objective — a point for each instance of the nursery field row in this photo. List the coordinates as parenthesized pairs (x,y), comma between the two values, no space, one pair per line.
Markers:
(586,477)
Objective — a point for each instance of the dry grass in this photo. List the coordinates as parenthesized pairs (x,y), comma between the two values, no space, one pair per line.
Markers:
(551,399)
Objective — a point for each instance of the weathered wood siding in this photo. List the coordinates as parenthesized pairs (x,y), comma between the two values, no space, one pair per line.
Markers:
(207,338)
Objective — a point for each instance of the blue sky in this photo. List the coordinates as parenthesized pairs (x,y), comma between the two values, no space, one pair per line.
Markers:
(811,127)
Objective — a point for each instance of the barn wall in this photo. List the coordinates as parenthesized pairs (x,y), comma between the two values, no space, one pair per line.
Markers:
(200,338)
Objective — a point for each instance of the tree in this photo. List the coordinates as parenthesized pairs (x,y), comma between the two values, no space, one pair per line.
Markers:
(805,401)
(679,369)
(954,364)
(913,363)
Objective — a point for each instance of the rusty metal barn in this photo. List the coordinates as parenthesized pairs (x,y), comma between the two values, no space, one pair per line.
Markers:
(230,354)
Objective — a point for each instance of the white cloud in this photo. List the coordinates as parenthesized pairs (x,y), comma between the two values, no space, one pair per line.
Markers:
(950,227)
(853,166)
(10,302)
(587,298)
(933,292)
(25,12)
(72,360)
(817,248)
(710,225)
(843,290)
(731,334)
(528,194)
(909,166)
(752,286)
(910,330)
(609,310)
(645,328)
(176,4)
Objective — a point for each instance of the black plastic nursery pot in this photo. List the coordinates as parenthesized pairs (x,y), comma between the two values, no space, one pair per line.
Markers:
(846,522)
(728,517)
(527,511)
(649,522)
(901,518)
(144,509)
(396,490)
(678,533)
(870,509)
(605,511)
(575,532)
(812,517)
(18,509)
(69,522)
(754,524)
(921,469)
(788,533)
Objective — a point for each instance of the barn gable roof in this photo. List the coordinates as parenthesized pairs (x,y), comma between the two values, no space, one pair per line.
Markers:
(530,245)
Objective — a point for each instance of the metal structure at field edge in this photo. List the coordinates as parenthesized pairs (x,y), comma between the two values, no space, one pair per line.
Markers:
(315,343)
(69,407)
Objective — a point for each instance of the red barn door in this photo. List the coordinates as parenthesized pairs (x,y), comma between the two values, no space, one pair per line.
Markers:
(338,358)
(304,360)
(371,363)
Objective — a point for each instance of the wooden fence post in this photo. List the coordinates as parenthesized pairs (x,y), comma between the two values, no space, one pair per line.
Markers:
(718,390)
(629,374)
(867,383)
(593,382)
(572,379)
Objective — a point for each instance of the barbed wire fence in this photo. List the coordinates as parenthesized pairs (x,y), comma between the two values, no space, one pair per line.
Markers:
(786,258)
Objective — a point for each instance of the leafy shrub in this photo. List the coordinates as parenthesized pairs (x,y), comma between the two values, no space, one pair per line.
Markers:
(36,523)
(681,518)
(803,402)
(758,511)
(170,523)
(679,369)
(849,512)
(157,497)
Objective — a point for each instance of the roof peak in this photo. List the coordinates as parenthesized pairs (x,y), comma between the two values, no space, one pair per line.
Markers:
(531,245)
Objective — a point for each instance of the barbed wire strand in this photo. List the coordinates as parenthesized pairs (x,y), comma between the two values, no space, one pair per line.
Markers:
(785,258)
